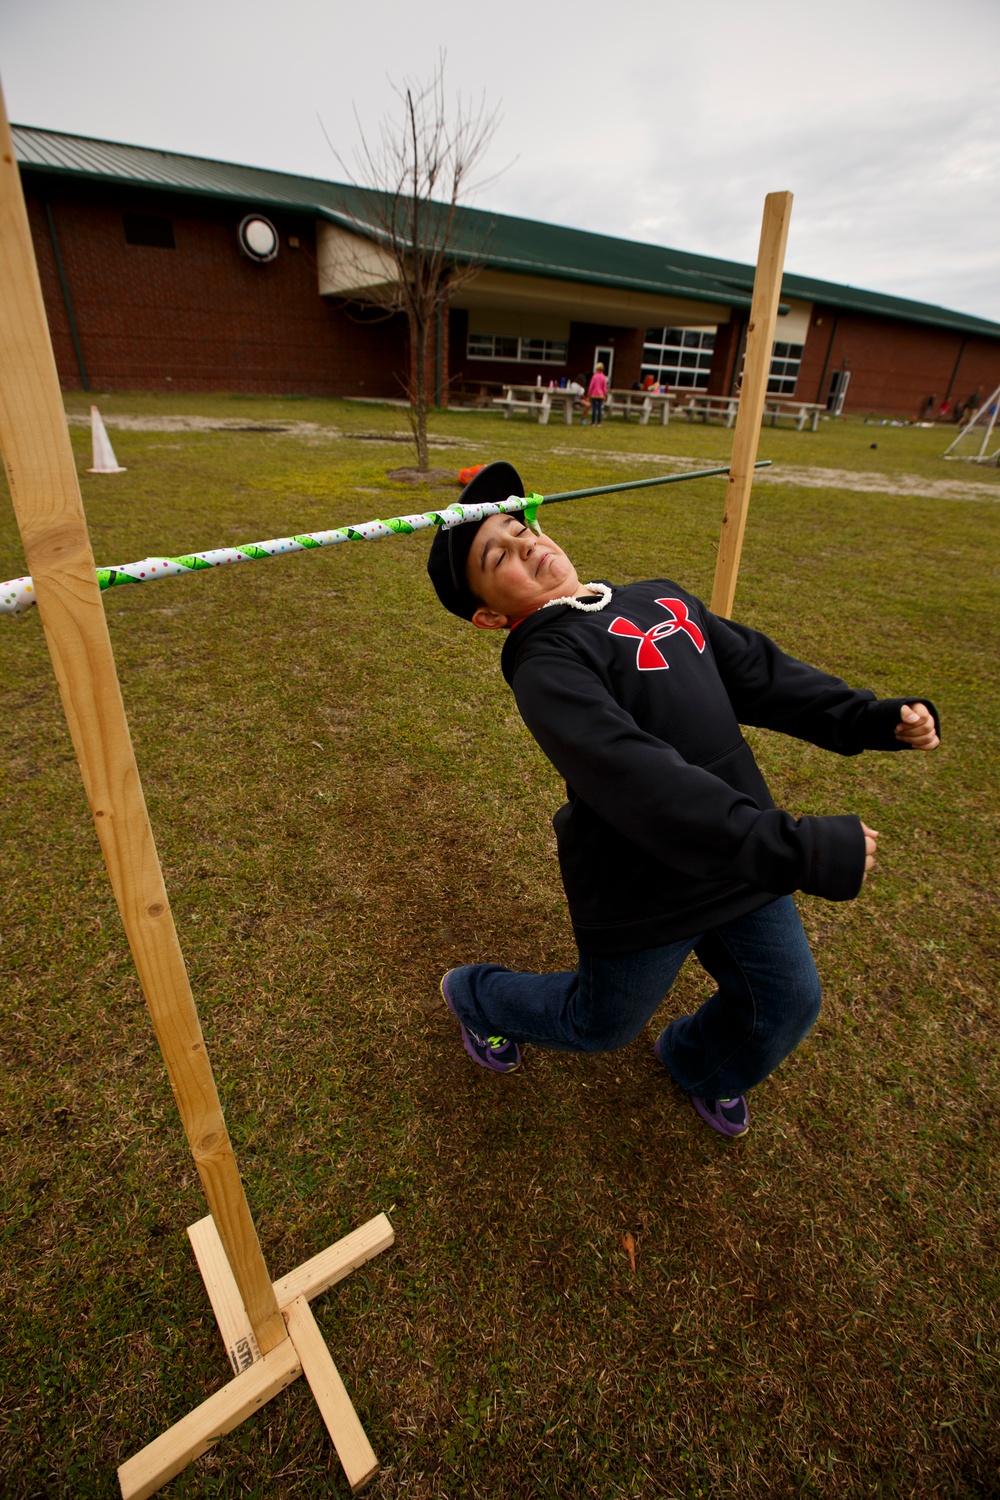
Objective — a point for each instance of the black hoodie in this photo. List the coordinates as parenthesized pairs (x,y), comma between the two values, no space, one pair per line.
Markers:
(670,829)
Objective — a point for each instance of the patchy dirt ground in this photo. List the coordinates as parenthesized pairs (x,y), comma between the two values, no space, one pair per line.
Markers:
(813,477)
(808,476)
(417,476)
(131,422)
(168,422)
(882,484)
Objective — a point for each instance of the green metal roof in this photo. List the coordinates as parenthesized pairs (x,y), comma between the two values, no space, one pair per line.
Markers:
(843,298)
(499,241)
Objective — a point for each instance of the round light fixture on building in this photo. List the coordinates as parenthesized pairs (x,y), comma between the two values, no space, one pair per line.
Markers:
(258,238)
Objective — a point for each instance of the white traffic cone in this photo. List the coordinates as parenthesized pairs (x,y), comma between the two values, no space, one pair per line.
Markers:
(104,455)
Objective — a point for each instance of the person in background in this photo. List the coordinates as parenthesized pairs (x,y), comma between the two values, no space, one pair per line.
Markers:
(579,387)
(597,390)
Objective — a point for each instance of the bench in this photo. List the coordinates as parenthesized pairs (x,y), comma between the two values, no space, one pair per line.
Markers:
(707,407)
(800,412)
(642,402)
(725,408)
(511,403)
(539,399)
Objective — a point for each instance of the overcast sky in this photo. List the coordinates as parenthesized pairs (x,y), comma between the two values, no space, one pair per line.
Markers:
(665,122)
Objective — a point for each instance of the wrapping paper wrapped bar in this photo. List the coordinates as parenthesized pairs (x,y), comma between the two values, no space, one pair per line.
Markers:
(18,595)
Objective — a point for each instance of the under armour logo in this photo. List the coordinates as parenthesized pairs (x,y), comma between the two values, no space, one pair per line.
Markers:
(648,657)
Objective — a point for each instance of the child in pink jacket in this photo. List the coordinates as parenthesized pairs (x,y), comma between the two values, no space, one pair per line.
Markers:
(597,390)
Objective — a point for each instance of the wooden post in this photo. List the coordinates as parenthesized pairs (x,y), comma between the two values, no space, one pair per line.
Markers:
(46,494)
(251,1312)
(760,341)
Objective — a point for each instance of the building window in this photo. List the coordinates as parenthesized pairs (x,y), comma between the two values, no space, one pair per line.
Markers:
(785,362)
(522,351)
(678,357)
(149,229)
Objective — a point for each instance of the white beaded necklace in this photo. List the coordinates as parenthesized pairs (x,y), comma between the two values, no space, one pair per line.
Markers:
(588,609)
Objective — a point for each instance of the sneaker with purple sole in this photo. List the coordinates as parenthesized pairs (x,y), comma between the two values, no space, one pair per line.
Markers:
(728,1116)
(493,1052)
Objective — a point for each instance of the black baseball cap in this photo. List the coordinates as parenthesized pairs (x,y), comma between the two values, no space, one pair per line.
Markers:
(451,546)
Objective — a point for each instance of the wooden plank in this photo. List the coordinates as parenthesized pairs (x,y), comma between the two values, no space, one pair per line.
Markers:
(308,1280)
(336,1262)
(46,494)
(760,340)
(224,1295)
(144,1473)
(346,1432)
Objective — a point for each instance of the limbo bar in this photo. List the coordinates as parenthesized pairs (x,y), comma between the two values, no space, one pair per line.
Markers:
(18,595)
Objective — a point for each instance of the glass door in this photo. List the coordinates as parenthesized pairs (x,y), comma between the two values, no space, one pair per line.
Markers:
(839,382)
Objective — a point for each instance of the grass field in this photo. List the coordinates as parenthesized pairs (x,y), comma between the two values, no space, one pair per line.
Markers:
(345,805)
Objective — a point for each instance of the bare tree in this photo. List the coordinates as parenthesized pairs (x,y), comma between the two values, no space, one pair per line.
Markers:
(415,249)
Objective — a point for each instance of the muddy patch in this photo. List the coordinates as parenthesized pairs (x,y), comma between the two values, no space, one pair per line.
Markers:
(879,484)
(423,476)
(168,422)
(812,477)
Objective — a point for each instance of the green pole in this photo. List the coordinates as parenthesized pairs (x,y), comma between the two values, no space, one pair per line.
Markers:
(642,484)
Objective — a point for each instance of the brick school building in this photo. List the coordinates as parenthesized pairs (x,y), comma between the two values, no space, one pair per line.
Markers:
(169,272)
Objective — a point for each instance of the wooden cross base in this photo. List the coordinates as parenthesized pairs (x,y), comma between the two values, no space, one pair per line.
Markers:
(258,1376)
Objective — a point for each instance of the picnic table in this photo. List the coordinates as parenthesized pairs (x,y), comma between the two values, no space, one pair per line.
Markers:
(643,402)
(800,412)
(538,399)
(706,407)
(775,407)
(541,400)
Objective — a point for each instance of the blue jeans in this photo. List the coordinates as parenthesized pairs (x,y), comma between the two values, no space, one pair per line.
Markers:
(596,409)
(767,1000)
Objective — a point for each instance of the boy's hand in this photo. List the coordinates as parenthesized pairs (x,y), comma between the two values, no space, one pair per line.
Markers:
(871,849)
(916,727)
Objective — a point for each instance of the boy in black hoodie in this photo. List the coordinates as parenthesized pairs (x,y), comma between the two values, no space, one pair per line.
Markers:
(670,841)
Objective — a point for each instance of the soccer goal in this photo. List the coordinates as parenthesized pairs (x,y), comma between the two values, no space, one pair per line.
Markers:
(974,439)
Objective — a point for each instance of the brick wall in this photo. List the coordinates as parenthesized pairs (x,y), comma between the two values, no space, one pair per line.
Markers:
(894,366)
(437,380)
(201,317)
(626,342)
(728,347)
